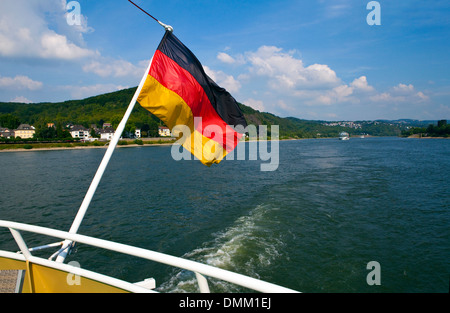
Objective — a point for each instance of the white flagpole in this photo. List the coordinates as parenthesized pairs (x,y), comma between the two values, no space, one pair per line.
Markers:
(100,171)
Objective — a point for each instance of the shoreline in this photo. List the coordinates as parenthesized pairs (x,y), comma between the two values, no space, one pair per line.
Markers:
(81,147)
(416,136)
(133,145)
(130,144)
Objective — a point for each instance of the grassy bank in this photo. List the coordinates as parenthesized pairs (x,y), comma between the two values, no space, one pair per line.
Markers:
(80,145)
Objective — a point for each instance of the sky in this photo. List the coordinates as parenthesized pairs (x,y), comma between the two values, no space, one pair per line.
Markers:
(314,60)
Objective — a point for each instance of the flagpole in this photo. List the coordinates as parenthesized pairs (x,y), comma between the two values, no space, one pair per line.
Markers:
(100,171)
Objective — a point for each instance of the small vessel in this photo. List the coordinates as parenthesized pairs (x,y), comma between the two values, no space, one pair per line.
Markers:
(344,136)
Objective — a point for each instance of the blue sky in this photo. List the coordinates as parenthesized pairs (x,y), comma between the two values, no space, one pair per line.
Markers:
(316,60)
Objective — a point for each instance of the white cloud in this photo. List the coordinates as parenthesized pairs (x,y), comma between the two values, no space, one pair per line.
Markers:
(382,97)
(403,88)
(225,58)
(288,86)
(21,99)
(401,93)
(326,97)
(361,84)
(287,72)
(290,80)
(81,92)
(54,46)
(115,68)
(410,93)
(255,104)
(226,81)
(38,29)
(228,59)
(19,82)
(343,93)
(34,32)
(336,10)
(422,96)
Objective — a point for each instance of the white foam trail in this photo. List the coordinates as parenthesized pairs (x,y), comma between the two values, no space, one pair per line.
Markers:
(247,246)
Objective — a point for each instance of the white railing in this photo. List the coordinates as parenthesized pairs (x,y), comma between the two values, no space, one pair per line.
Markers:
(200,270)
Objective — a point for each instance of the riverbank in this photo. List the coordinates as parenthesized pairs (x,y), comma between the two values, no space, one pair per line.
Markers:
(419,136)
(129,143)
(126,143)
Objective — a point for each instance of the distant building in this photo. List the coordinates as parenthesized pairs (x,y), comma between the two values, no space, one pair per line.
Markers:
(343,124)
(79,131)
(137,133)
(164,131)
(24,131)
(6,133)
(107,133)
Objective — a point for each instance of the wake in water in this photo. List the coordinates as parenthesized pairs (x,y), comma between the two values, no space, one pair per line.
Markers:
(246,247)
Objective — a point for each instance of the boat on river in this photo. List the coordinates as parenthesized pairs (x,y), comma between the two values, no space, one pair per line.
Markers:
(344,136)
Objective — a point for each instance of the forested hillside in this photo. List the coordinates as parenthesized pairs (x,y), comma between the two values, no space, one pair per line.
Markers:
(110,108)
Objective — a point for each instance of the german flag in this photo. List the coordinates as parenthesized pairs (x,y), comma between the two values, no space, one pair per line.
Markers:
(178,91)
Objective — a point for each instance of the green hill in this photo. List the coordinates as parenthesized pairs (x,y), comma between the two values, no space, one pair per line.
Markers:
(110,107)
(106,108)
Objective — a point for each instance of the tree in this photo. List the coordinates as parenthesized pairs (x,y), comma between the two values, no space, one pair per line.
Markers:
(9,121)
(62,133)
(45,132)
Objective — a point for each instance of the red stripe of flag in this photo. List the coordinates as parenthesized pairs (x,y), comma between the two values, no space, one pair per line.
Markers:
(177,79)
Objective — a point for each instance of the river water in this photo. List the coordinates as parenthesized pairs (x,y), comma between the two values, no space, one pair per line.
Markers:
(313,225)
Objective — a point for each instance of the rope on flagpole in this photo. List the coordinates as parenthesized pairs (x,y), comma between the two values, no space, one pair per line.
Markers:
(167,27)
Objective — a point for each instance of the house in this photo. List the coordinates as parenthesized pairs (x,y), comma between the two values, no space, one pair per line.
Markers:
(25,131)
(79,131)
(164,131)
(132,134)
(107,133)
(6,133)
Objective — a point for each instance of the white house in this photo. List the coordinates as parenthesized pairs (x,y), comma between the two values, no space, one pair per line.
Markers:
(107,133)
(164,131)
(79,131)
(24,131)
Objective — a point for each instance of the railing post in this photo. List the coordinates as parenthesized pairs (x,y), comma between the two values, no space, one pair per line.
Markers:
(21,243)
(202,283)
(201,270)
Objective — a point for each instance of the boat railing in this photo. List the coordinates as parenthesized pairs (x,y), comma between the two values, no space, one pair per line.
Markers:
(201,270)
